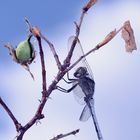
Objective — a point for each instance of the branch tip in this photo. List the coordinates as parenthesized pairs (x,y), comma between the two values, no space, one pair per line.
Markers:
(60,136)
(89,5)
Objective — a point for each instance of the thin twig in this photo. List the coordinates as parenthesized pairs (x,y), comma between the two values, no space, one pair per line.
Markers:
(60,136)
(107,39)
(37,33)
(78,27)
(66,64)
(44,88)
(11,115)
(28,23)
(53,51)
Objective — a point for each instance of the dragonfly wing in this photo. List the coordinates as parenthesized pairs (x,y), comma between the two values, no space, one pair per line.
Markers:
(87,111)
(79,95)
(77,53)
(85,114)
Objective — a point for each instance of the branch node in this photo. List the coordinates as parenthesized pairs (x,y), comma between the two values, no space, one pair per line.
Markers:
(19,127)
(40,116)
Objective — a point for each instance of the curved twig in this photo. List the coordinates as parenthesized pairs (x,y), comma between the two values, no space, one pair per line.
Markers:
(11,115)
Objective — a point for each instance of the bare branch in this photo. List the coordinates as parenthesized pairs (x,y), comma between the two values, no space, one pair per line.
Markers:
(70,53)
(60,136)
(11,115)
(28,24)
(108,38)
(53,51)
(37,33)
(44,88)
(66,64)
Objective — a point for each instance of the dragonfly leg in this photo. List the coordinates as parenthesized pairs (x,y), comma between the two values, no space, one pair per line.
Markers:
(70,79)
(66,90)
(61,89)
(68,82)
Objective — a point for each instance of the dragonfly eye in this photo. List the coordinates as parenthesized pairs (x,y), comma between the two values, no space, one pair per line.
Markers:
(80,72)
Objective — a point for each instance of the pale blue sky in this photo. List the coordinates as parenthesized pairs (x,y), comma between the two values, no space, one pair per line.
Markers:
(116,72)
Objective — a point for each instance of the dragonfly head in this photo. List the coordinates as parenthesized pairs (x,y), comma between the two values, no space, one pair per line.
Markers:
(80,72)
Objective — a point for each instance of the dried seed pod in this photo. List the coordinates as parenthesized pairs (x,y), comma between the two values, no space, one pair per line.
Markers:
(25,52)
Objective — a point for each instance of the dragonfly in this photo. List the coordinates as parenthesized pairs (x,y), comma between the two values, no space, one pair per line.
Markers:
(83,85)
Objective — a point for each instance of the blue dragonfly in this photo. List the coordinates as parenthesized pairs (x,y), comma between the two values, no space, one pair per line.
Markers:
(83,86)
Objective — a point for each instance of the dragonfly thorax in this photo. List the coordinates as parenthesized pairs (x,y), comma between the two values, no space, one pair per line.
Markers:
(81,72)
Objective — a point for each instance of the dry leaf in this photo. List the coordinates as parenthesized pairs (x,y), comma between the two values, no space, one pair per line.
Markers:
(89,4)
(128,36)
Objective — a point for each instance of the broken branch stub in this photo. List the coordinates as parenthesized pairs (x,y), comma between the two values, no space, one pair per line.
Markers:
(36,31)
(89,5)
(107,38)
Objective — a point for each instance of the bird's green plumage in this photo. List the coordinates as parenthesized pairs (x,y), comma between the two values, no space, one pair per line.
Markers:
(24,51)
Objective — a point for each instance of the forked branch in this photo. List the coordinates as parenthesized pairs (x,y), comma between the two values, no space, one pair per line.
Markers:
(46,93)
(37,33)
